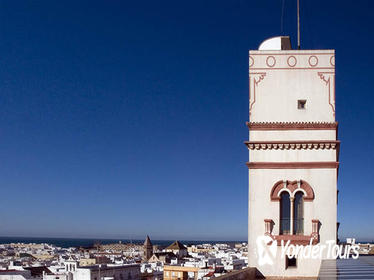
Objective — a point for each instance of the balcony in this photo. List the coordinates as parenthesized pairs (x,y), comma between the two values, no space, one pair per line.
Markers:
(298,237)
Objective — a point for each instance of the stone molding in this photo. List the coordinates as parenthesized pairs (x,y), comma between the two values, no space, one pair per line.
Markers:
(292,187)
(293,165)
(293,145)
(292,125)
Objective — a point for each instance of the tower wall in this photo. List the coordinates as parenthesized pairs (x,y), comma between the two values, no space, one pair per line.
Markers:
(292,142)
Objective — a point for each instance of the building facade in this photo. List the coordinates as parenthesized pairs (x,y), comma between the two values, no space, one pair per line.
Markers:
(172,272)
(178,249)
(293,154)
(100,272)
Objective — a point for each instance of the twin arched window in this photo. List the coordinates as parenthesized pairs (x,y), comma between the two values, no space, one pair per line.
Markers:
(291,213)
(291,195)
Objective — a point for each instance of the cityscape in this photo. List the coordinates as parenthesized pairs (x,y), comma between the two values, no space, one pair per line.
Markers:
(130,260)
(191,141)
(121,260)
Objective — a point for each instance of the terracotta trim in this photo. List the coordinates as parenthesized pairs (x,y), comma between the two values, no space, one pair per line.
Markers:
(289,63)
(310,63)
(331,89)
(293,238)
(332,60)
(293,145)
(260,77)
(256,52)
(298,68)
(292,125)
(252,61)
(293,165)
(271,64)
(293,187)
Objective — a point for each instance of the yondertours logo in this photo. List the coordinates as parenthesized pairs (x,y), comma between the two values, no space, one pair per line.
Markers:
(267,250)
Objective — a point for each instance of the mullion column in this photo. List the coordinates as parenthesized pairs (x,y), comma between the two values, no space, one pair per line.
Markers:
(292,213)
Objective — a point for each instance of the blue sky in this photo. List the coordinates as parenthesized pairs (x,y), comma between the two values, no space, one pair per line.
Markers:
(125,118)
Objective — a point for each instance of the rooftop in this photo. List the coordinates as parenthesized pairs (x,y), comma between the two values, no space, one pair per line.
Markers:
(176,246)
(361,268)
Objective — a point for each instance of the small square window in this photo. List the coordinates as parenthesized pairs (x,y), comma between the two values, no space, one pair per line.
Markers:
(301,104)
(291,262)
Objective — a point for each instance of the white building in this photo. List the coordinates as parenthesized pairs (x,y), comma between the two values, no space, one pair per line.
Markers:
(351,241)
(12,274)
(100,272)
(293,153)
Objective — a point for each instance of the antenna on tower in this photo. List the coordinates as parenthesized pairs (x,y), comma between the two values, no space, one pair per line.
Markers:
(282,15)
(298,24)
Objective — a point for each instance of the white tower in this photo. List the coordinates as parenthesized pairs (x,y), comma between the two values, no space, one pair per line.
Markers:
(293,153)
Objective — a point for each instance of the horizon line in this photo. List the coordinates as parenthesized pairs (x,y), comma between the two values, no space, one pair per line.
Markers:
(119,239)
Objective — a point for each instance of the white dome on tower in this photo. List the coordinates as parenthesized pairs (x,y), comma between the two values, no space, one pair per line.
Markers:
(276,44)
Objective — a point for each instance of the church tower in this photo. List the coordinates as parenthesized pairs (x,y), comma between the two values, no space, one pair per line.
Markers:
(148,249)
(293,155)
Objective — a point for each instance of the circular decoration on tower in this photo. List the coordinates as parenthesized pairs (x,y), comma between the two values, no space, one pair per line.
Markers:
(332,60)
(251,61)
(291,61)
(270,61)
(313,61)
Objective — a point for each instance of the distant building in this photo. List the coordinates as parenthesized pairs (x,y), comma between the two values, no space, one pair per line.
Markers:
(199,249)
(178,249)
(57,276)
(175,272)
(119,247)
(70,265)
(351,241)
(148,249)
(151,271)
(87,262)
(164,257)
(108,272)
(156,248)
(12,274)
(38,271)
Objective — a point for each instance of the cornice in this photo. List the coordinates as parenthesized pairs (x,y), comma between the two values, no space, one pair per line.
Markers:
(293,165)
(293,145)
(292,125)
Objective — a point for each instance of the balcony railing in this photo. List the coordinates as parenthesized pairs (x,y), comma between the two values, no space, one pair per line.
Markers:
(298,236)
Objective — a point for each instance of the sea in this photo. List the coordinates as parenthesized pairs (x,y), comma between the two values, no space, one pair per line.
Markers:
(86,242)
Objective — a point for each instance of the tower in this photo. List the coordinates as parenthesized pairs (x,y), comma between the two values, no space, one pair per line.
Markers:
(148,249)
(293,155)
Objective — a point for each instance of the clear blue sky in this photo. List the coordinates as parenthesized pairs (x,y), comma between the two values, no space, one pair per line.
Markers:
(125,118)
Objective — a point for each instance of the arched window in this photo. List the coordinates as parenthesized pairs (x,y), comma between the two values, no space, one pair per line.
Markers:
(285,213)
(298,217)
(291,195)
